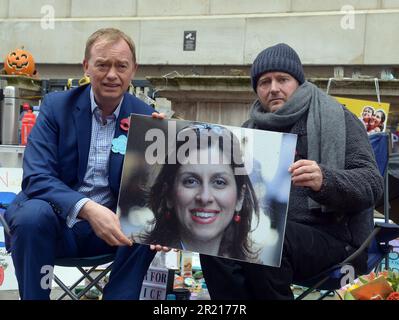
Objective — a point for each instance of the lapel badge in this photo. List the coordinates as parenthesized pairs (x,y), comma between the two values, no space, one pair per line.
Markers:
(125,124)
(119,144)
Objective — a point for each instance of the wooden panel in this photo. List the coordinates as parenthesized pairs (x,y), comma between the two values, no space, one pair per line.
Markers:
(209,112)
(234,114)
(185,110)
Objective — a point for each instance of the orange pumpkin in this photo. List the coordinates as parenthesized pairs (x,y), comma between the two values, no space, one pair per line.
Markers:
(20,62)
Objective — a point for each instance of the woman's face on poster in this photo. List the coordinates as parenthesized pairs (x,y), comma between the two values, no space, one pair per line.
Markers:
(205,196)
(367,113)
(378,118)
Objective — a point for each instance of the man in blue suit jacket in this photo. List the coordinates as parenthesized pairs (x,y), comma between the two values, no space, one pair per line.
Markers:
(72,175)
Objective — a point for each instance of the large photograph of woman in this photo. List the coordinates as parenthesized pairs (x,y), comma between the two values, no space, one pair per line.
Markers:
(206,188)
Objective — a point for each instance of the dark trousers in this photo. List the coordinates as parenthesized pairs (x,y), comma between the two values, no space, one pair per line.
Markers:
(306,252)
(38,237)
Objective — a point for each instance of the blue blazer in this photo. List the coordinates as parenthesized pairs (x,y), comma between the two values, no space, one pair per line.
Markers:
(55,159)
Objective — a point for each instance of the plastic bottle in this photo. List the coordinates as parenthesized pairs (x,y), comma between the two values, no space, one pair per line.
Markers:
(24,110)
(28,121)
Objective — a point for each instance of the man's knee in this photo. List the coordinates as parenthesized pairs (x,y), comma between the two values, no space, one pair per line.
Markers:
(30,216)
(289,238)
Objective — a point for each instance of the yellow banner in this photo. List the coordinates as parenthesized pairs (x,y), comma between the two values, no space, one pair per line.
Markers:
(372,114)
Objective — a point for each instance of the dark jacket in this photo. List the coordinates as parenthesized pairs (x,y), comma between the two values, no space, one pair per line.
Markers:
(55,158)
(351,192)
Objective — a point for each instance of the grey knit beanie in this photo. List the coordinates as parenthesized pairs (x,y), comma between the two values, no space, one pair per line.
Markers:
(280,57)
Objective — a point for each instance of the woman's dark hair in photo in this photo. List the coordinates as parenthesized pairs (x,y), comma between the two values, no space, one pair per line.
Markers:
(235,242)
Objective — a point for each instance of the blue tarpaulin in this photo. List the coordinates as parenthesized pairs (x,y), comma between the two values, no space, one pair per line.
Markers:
(379,142)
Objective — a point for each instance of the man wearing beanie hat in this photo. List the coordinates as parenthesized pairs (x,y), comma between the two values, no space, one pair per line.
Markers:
(332,195)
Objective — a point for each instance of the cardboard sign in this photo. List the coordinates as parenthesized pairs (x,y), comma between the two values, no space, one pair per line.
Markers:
(157,283)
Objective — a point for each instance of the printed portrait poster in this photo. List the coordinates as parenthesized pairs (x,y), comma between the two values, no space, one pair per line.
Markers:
(207,188)
(372,114)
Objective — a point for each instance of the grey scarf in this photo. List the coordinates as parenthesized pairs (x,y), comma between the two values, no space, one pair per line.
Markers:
(326,132)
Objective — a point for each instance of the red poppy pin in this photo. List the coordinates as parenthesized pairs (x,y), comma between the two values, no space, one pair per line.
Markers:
(125,124)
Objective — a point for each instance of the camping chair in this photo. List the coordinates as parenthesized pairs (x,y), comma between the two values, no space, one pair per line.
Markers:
(80,263)
(377,243)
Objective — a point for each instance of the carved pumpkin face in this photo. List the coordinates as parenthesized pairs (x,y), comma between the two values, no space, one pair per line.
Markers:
(20,62)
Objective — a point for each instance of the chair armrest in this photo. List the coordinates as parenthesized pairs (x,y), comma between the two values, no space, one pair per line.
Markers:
(388,232)
(386,225)
(4,222)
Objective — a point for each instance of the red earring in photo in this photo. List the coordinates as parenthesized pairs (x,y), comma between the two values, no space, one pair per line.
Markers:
(237,217)
(168,215)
